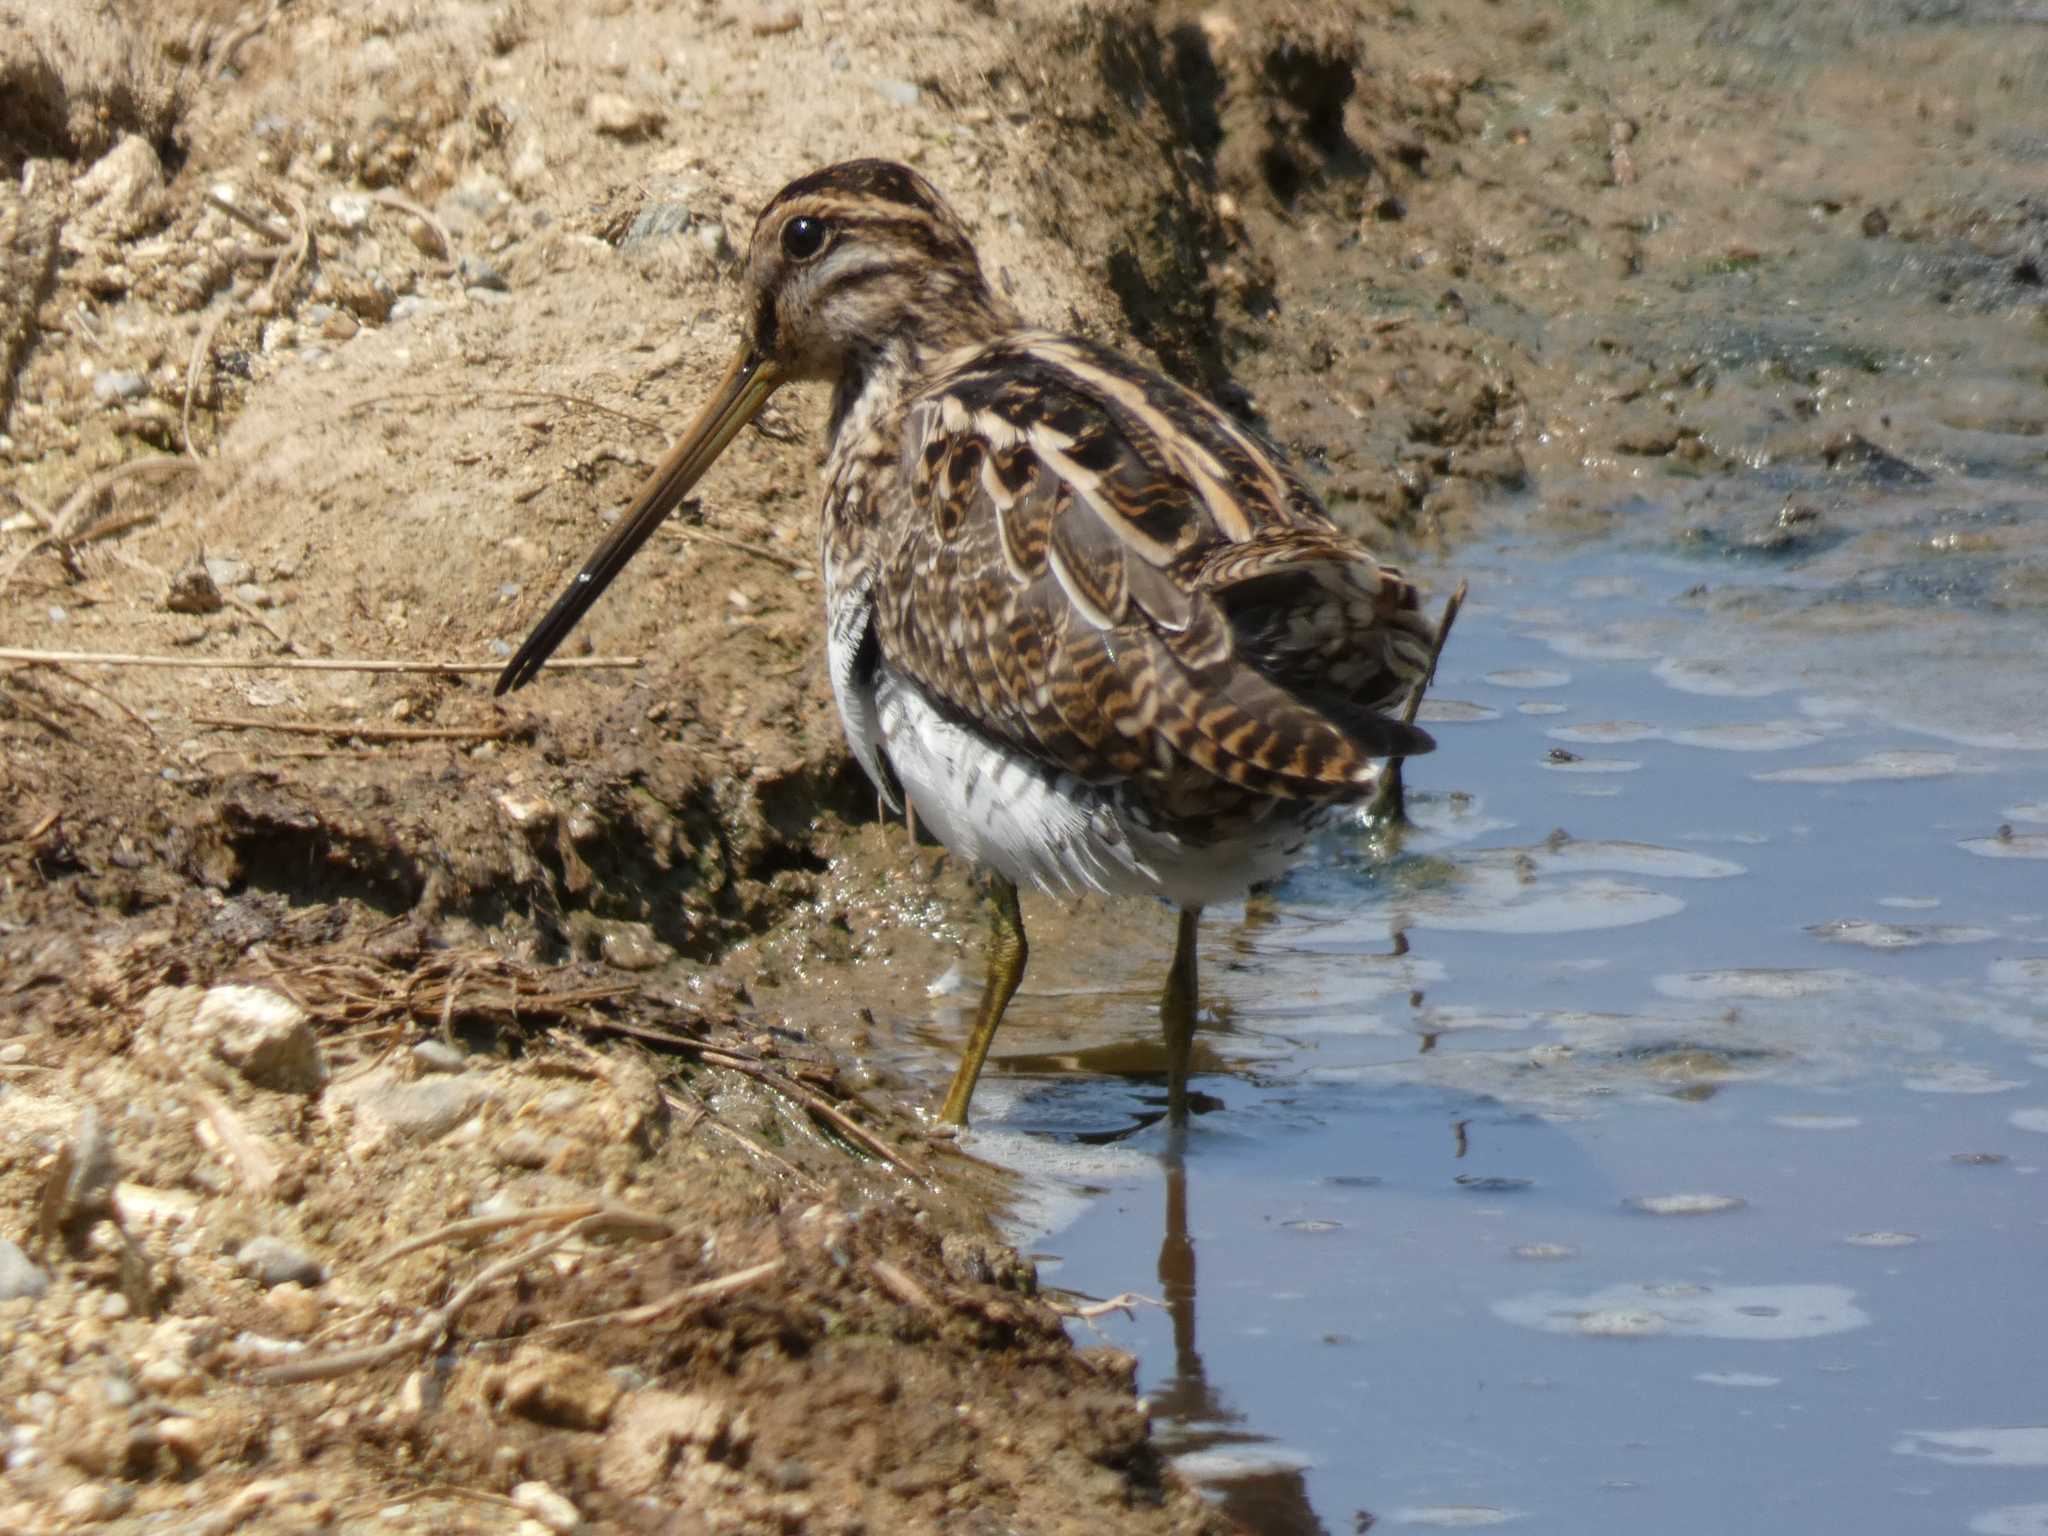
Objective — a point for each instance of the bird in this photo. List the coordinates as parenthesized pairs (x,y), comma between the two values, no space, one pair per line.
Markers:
(1089,629)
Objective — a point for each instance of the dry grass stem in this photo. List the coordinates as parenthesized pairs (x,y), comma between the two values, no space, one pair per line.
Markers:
(345,730)
(202,353)
(422,1335)
(759,551)
(781,1082)
(34,657)
(675,1301)
(259,1170)
(403,204)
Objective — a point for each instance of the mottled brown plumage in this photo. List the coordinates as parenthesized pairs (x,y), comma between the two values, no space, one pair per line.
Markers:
(1095,629)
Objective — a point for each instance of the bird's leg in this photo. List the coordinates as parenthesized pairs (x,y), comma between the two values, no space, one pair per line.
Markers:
(1177,1016)
(1007,951)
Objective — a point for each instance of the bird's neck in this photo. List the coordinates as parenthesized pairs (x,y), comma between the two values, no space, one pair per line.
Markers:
(876,381)
(869,396)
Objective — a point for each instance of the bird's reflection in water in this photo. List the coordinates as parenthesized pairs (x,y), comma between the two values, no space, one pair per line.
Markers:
(1193,1415)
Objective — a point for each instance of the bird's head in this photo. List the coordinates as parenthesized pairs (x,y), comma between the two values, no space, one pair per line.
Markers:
(860,258)
(856,266)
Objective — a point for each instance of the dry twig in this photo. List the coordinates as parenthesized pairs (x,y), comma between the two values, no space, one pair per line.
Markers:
(648,1312)
(595,1217)
(343,730)
(405,204)
(202,353)
(223,52)
(353,993)
(101,693)
(1089,1311)
(259,1170)
(703,1117)
(781,1082)
(616,1220)
(901,1284)
(279,238)
(12,692)
(422,1334)
(759,551)
(74,524)
(289,663)
(484,1226)
(285,276)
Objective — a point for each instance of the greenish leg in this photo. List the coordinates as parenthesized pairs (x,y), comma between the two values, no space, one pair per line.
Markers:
(1177,1016)
(1007,952)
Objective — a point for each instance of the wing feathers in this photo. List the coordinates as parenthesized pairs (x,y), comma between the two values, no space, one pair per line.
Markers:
(1103,570)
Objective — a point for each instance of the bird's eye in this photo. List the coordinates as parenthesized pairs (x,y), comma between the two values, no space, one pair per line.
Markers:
(803,238)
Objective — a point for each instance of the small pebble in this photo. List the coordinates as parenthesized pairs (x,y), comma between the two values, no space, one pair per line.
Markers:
(439,1056)
(91,1502)
(187,1439)
(118,384)
(227,571)
(298,1309)
(165,1377)
(19,1276)
(633,947)
(526,1149)
(621,116)
(424,1109)
(476,273)
(559,1102)
(547,1506)
(351,210)
(273,1261)
(263,1035)
(192,591)
(790,1475)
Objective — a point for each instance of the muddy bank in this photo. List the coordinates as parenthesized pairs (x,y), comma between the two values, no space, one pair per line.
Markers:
(335,333)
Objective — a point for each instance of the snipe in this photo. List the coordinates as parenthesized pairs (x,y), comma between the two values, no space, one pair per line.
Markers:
(1091,630)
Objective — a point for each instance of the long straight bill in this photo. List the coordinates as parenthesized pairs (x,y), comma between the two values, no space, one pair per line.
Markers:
(741,393)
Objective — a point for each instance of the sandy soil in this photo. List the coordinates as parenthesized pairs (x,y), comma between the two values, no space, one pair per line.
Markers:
(569,1145)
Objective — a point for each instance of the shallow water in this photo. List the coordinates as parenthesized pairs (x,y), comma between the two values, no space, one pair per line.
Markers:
(1656,1142)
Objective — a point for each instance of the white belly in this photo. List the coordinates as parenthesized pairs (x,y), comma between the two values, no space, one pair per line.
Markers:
(1044,828)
